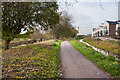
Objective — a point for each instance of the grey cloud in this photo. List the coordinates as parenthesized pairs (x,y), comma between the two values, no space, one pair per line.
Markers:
(90,14)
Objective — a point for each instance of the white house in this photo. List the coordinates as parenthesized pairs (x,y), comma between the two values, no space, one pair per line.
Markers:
(117,28)
(108,29)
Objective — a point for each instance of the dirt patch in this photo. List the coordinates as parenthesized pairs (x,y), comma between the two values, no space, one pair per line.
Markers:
(17,61)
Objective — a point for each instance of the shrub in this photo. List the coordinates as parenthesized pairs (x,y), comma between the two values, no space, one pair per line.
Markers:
(54,44)
(80,37)
(98,39)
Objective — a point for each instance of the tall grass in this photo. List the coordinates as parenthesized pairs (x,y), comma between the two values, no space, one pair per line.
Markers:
(109,46)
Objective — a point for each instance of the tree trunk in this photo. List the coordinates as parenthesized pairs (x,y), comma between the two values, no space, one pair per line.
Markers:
(53,33)
(7,44)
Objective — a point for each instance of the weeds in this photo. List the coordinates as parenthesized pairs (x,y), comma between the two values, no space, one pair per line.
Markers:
(32,61)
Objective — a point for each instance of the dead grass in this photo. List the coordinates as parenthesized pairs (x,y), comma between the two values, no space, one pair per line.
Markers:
(110,46)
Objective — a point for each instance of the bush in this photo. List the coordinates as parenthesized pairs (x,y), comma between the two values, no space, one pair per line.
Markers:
(98,39)
(54,44)
(79,37)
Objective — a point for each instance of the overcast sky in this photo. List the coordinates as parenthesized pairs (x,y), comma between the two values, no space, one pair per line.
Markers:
(88,15)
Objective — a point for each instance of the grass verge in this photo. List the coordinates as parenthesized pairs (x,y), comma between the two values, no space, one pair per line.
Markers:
(107,63)
(32,61)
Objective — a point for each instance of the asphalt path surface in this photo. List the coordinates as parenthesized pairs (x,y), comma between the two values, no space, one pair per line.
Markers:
(75,65)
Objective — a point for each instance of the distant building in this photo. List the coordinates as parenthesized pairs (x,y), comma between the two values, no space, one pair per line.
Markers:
(107,29)
(118,28)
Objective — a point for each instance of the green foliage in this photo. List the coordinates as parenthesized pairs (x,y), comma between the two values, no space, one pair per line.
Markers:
(17,15)
(54,44)
(80,37)
(107,63)
(111,58)
(21,36)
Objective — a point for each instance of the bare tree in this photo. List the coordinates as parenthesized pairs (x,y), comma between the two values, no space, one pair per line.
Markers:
(37,36)
(64,28)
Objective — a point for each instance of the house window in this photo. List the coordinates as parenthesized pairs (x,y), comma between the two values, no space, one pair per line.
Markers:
(118,28)
(106,32)
(106,27)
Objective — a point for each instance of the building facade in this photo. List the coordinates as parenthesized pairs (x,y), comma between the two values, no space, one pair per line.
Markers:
(107,29)
(118,29)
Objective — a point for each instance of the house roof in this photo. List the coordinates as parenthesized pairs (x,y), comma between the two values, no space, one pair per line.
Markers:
(118,20)
(112,22)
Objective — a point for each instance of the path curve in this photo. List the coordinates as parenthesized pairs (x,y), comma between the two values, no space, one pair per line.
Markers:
(75,65)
